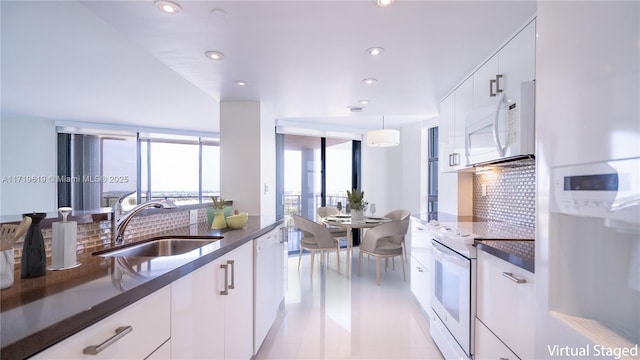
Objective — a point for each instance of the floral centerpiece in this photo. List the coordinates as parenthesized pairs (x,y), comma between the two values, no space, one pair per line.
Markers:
(357,204)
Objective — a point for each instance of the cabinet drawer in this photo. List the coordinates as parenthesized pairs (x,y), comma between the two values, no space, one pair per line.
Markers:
(489,347)
(148,318)
(506,306)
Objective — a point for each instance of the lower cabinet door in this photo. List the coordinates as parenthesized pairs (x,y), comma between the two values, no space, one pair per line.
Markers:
(138,330)
(488,346)
(421,284)
(197,314)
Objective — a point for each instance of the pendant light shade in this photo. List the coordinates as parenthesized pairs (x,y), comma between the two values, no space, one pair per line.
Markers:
(383,137)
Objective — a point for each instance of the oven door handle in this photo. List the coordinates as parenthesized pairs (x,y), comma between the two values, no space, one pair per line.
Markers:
(445,254)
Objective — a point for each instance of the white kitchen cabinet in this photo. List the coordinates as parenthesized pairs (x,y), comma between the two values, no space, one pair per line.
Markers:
(447,135)
(453,114)
(506,303)
(421,283)
(421,264)
(505,70)
(212,309)
(161,353)
(489,347)
(142,327)
(269,287)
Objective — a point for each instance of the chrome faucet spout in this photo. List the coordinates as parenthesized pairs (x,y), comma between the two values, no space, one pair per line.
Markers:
(122,222)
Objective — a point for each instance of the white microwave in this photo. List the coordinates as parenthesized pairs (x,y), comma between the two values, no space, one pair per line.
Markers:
(502,132)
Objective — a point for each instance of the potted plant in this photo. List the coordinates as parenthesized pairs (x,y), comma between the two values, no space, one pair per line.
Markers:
(216,214)
(357,204)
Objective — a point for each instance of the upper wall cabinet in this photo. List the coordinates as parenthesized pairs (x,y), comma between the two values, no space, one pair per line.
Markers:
(453,113)
(504,72)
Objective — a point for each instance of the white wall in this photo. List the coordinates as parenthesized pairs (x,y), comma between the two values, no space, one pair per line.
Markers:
(396,177)
(382,176)
(414,168)
(27,148)
(240,146)
(267,164)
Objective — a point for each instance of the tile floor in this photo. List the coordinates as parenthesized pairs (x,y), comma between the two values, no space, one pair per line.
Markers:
(331,316)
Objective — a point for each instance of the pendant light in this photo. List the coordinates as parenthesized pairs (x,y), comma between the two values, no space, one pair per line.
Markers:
(383,137)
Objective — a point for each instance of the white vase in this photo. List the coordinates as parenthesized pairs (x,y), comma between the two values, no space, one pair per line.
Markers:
(357,215)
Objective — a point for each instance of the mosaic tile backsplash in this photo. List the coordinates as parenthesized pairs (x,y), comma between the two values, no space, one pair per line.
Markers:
(510,194)
(97,235)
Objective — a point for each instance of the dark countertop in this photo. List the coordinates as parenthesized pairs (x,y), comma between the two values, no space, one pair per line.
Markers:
(510,242)
(520,253)
(37,313)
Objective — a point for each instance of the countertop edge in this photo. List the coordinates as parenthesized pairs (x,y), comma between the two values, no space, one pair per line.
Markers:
(47,337)
(508,257)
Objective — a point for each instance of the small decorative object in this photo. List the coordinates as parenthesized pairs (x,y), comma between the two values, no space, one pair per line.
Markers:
(33,262)
(339,206)
(64,242)
(219,221)
(238,221)
(357,204)
(9,234)
(7,262)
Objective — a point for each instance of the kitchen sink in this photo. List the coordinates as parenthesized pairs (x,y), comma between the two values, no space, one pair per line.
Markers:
(159,247)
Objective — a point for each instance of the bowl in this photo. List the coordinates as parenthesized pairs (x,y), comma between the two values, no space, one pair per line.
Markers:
(237,221)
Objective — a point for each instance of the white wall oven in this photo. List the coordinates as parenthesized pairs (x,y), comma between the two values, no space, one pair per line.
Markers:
(454,293)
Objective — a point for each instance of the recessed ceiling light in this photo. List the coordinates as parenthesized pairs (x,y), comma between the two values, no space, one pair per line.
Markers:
(240,83)
(384,3)
(369,81)
(214,55)
(167,6)
(363,102)
(375,51)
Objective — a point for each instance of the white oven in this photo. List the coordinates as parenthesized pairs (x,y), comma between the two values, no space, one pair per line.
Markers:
(453,296)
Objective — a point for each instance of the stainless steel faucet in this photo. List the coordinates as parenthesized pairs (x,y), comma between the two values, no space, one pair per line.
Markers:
(121,221)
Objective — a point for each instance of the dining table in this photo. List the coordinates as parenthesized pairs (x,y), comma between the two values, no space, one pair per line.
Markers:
(345,221)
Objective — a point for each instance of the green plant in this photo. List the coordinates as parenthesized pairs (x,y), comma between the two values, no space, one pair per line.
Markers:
(356,199)
(218,202)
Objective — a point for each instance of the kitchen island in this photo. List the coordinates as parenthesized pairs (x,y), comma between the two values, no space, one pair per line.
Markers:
(38,313)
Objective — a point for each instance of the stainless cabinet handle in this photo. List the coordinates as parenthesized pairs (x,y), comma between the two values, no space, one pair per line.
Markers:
(450,160)
(498,77)
(120,333)
(419,269)
(491,93)
(233,274)
(456,159)
(503,358)
(226,279)
(513,278)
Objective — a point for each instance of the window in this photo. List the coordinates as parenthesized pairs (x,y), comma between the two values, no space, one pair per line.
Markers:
(432,168)
(96,167)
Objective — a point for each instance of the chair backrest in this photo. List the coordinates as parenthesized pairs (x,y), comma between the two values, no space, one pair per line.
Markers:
(320,232)
(325,211)
(399,214)
(390,229)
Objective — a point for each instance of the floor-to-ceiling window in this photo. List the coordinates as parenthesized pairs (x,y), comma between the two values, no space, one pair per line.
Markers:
(312,171)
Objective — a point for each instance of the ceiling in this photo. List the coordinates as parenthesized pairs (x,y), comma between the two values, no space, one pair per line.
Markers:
(126,62)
